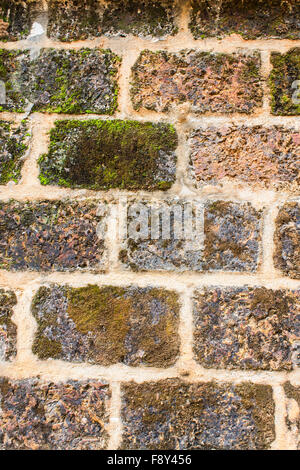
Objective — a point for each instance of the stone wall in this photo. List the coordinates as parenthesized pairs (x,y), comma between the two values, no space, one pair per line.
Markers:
(110,342)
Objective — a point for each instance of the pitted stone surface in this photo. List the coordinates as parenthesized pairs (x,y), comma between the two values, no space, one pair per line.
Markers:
(287,240)
(17,17)
(74,20)
(109,154)
(210,82)
(48,416)
(246,328)
(259,156)
(227,237)
(14,141)
(8,329)
(50,235)
(251,18)
(61,81)
(107,325)
(285,83)
(174,415)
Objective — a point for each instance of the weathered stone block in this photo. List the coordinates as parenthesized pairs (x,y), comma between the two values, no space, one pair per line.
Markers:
(210,82)
(75,20)
(246,328)
(232,236)
(13,145)
(293,411)
(48,416)
(16,18)
(224,236)
(287,240)
(46,236)
(8,330)
(107,325)
(285,83)
(267,157)
(174,415)
(61,81)
(11,74)
(110,154)
(252,19)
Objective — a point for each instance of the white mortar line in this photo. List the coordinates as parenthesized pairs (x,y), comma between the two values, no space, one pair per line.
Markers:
(281,431)
(115,421)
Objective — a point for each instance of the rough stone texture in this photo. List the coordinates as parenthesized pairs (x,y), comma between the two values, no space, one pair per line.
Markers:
(230,241)
(168,251)
(110,154)
(107,325)
(292,418)
(287,240)
(250,18)
(8,330)
(61,81)
(16,18)
(210,82)
(77,19)
(175,415)
(246,328)
(11,75)
(13,146)
(48,416)
(284,83)
(232,237)
(46,236)
(259,156)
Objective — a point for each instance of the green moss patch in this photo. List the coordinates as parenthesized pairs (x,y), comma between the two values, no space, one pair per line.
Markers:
(285,83)
(99,155)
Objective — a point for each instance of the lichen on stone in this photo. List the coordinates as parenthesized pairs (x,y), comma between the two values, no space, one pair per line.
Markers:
(13,147)
(210,82)
(108,325)
(38,415)
(259,156)
(287,240)
(252,19)
(71,20)
(8,329)
(246,328)
(13,74)
(284,83)
(171,414)
(16,18)
(109,154)
(51,236)
(232,236)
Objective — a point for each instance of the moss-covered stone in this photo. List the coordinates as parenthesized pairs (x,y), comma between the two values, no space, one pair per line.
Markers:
(250,18)
(8,330)
(285,83)
(46,416)
(174,415)
(73,81)
(12,74)
(246,328)
(232,237)
(210,82)
(71,20)
(17,17)
(110,154)
(13,146)
(259,156)
(107,325)
(50,235)
(287,240)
